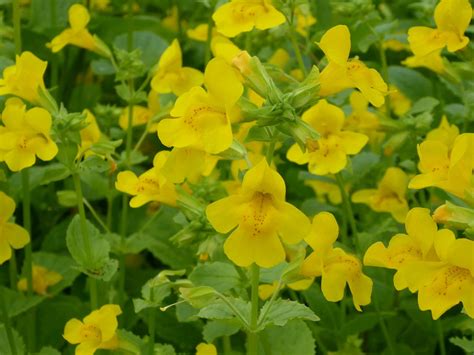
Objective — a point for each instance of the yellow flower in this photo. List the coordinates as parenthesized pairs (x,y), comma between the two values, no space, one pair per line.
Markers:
(149,186)
(395,45)
(90,134)
(343,73)
(224,48)
(25,78)
(280,58)
(399,103)
(100,4)
(304,20)
(389,195)
(261,215)
(206,349)
(239,16)
(445,133)
(404,249)
(171,21)
(328,154)
(188,164)
(362,120)
(77,34)
(11,234)
(450,171)
(199,33)
(445,283)
(432,61)
(334,265)
(323,188)
(42,279)
(452,17)
(141,114)
(265,291)
(25,135)
(98,330)
(171,76)
(203,117)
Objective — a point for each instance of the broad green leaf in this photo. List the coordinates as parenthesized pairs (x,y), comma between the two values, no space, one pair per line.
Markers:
(220,310)
(48,351)
(410,82)
(18,302)
(219,275)
(294,338)
(91,252)
(53,314)
(281,311)
(220,327)
(198,297)
(425,104)
(5,345)
(94,163)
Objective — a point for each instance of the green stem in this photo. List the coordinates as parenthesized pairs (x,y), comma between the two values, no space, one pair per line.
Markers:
(25,180)
(110,203)
(235,310)
(253,334)
(152,325)
(8,325)
(150,220)
(128,151)
(270,302)
(383,59)
(154,119)
(299,57)
(96,216)
(442,345)
(294,43)
(86,237)
(348,211)
(270,149)
(385,332)
(13,271)
(17,25)
(227,345)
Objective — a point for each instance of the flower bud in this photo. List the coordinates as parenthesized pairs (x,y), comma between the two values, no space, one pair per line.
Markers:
(257,77)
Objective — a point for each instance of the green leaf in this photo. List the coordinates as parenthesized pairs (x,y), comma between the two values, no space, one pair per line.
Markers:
(94,163)
(96,261)
(220,327)
(156,290)
(164,349)
(198,296)
(151,45)
(53,314)
(360,323)
(410,82)
(220,310)
(5,345)
(281,311)
(18,302)
(466,344)
(48,351)
(67,198)
(219,275)
(425,104)
(294,338)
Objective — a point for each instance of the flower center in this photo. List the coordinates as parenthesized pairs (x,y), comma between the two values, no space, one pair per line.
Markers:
(91,332)
(257,216)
